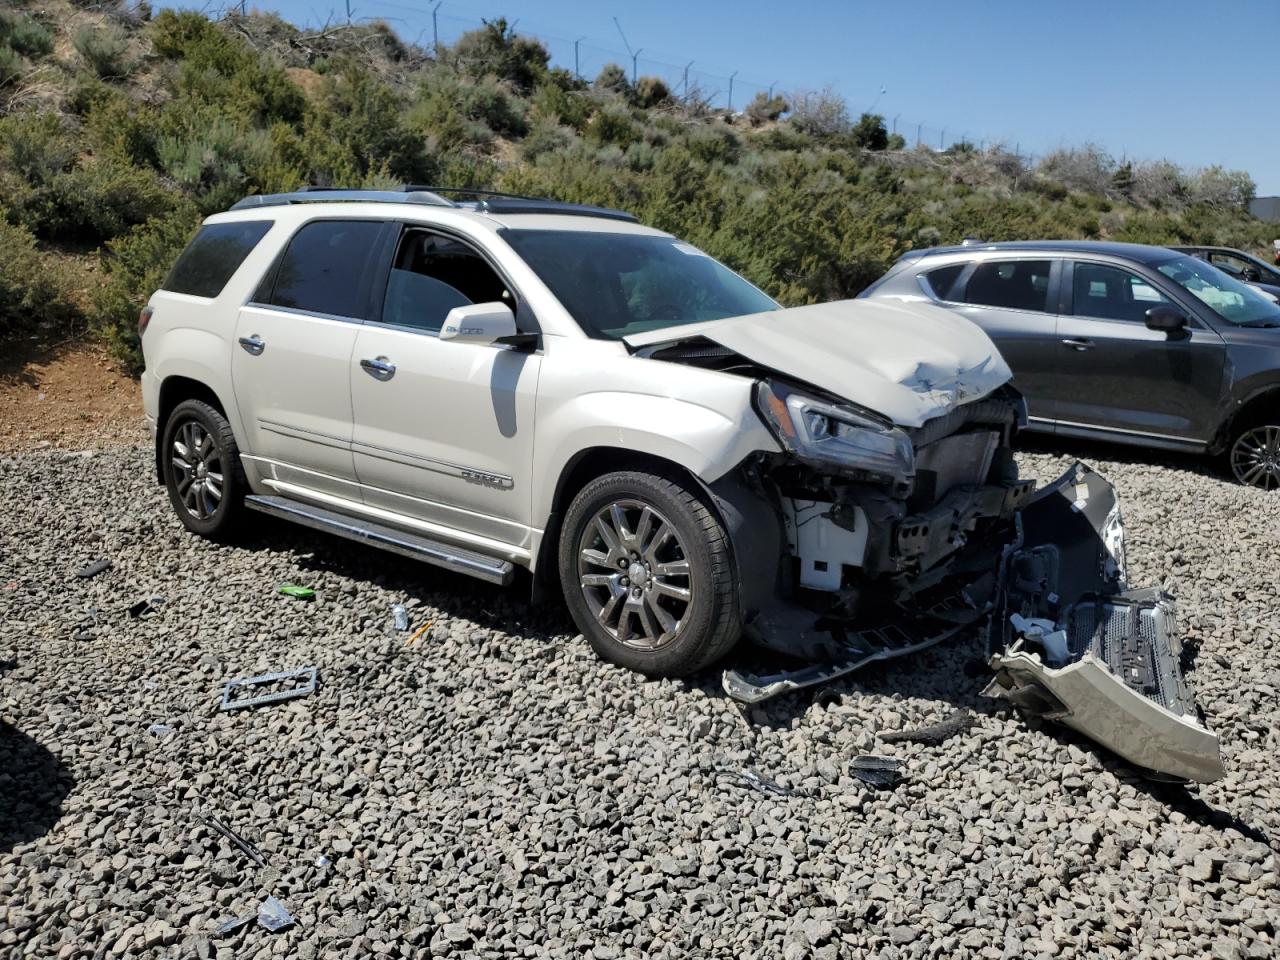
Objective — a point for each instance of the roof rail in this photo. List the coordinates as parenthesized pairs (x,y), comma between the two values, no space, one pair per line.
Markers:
(342,195)
(492,201)
(487,201)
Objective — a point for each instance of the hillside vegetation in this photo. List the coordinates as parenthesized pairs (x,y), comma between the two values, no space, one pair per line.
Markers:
(119,131)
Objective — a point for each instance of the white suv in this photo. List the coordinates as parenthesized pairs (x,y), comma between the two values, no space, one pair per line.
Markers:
(505,383)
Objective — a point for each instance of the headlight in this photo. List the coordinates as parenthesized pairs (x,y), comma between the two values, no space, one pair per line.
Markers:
(815,430)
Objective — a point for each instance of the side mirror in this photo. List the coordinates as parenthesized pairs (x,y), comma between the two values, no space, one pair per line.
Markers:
(482,323)
(1250,275)
(1166,319)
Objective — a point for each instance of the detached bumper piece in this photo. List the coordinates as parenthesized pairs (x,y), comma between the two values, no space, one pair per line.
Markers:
(844,652)
(1078,647)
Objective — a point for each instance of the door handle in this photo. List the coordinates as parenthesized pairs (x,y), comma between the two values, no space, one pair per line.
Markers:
(380,368)
(1079,344)
(253,344)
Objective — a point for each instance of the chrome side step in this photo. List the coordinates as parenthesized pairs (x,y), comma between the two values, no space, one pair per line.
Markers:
(411,545)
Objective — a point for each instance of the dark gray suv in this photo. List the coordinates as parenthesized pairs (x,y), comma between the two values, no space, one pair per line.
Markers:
(1117,341)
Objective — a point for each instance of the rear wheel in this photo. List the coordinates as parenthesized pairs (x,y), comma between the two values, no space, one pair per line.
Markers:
(1254,453)
(202,470)
(647,574)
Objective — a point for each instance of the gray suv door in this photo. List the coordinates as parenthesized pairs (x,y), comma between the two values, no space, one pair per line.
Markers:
(1015,301)
(1117,374)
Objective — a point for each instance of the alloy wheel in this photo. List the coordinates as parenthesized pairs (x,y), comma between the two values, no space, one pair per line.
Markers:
(197,469)
(635,574)
(1255,457)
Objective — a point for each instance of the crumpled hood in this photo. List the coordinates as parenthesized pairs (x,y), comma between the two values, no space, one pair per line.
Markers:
(910,362)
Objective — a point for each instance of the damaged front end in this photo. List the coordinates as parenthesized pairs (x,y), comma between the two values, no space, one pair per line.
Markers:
(894,539)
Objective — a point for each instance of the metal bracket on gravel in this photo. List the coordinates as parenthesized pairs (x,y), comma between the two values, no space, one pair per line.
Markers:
(303,680)
(865,646)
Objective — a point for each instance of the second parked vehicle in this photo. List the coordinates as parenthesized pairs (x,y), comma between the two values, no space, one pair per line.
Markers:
(1123,342)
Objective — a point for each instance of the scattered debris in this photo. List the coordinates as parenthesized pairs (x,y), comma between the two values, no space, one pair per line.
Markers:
(232,925)
(760,784)
(1220,660)
(297,592)
(141,608)
(273,916)
(401,616)
(323,861)
(160,730)
(245,847)
(88,633)
(290,684)
(878,772)
(934,733)
(11,585)
(93,569)
(417,633)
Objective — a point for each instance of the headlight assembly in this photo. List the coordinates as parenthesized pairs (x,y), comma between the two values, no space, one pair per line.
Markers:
(836,436)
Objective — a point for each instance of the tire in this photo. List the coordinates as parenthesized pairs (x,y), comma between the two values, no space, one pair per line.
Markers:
(1253,455)
(631,544)
(206,484)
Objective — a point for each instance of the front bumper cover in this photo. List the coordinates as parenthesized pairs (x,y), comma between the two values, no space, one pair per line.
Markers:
(1076,646)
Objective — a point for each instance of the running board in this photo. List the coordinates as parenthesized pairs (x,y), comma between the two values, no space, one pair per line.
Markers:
(410,545)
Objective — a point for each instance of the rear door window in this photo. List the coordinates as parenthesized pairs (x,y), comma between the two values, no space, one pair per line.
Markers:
(213,256)
(325,268)
(1111,293)
(939,282)
(1012,284)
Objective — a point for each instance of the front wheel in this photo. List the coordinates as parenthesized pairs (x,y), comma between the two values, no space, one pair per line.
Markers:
(1254,454)
(647,574)
(202,470)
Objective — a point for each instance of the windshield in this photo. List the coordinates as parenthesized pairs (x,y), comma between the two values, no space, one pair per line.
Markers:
(618,284)
(1233,301)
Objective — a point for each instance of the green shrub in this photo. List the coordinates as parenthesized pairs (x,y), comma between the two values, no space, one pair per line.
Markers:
(105,50)
(135,266)
(651,92)
(213,166)
(613,124)
(496,50)
(32,294)
(25,36)
(764,108)
(612,79)
(12,66)
(869,132)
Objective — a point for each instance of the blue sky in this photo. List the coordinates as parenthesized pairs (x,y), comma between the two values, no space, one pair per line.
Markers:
(1188,81)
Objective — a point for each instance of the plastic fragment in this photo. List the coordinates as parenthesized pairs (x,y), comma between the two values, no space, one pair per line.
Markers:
(160,730)
(232,925)
(418,633)
(401,616)
(282,685)
(139,608)
(761,784)
(323,861)
(248,849)
(878,772)
(297,592)
(273,916)
(93,569)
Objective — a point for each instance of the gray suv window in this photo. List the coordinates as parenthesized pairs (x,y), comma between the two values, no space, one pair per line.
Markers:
(1110,293)
(941,281)
(1012,284)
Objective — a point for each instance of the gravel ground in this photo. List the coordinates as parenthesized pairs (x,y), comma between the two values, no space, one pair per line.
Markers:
(495,791)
